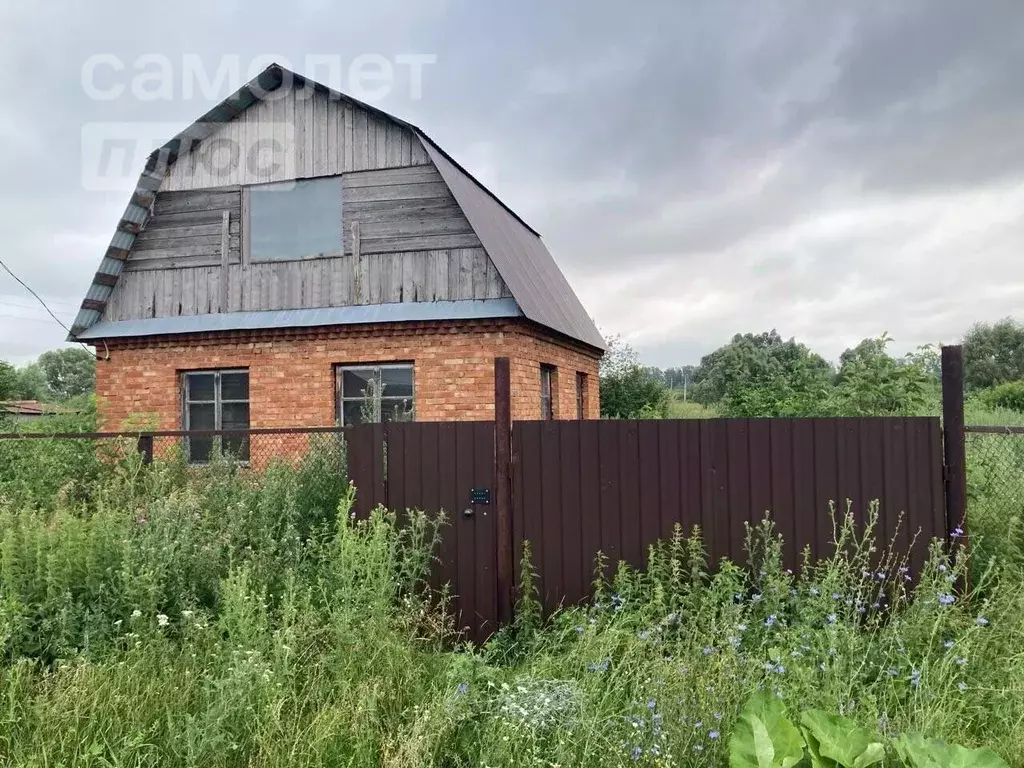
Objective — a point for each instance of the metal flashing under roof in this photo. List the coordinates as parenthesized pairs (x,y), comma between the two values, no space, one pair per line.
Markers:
(407,312)
(515,248)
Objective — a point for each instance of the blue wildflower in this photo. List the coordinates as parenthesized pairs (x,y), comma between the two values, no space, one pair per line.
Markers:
(770,621)
(946,599)
(981,621)
(780,670)
(942,567)
(957,532)
(579,630)
(637,753)
(815,591)
(832,618)
(961,661)
(708,651)
(652,704)
(756,598)
(643,635)
(915,677)
(463,688)
(717,715)
(962,686)
(600,666)
(948,644)
(713,735)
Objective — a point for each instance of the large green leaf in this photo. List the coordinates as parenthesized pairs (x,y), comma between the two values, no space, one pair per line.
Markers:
(763,737)
(919,752)
(838,741)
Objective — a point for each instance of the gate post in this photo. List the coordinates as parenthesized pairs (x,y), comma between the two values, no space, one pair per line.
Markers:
(503,486)
(145,447)
(954,449)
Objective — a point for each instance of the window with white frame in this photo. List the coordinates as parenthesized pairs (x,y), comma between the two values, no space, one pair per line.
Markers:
(216,400)
(294,220)
(370,393)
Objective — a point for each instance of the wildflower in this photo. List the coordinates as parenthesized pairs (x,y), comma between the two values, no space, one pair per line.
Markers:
(698,748)
(770,621)
(643,635)
(957,532)
(652,704)
(832,618)
(942,567)
(708,651)
(741,627)
(162,619)
(815,591)
(892,672)
(915,677)
(698,725)
(463,688)
(579,630)
(756,598)
(981,621)
(187,614)
(713,735)
(136,613)
(118,623)
(948,644)
(672,618)
(780,670)
(962,686)
(961,661)
(946,599)
(733,641)
(637,753)
(822,666)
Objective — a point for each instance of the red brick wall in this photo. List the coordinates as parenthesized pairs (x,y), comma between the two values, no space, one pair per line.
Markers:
(291,373)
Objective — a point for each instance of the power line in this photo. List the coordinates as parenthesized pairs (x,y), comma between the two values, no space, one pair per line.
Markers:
(6,299)
(49,311)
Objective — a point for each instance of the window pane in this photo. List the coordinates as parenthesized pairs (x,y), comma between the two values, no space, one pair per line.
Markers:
(234,386)
(200,448)
(201,387)
(234,416)
(288,221)
(396,410)
(545,381)
(202,416)
(354,381)
(396,382)
(352,412)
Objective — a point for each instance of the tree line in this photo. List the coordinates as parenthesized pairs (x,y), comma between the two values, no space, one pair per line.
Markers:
(56,376)
(762,374)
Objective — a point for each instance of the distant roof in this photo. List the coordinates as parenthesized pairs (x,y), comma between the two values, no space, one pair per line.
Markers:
(397,312)
(31,408)
(515,248)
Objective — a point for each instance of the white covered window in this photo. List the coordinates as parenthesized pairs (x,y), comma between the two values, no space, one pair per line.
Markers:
(294,220)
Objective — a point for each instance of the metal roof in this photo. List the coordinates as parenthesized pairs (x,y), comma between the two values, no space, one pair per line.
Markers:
(520,257)
(404,312)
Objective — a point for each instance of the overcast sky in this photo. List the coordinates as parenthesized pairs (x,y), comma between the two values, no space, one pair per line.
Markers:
(830,169)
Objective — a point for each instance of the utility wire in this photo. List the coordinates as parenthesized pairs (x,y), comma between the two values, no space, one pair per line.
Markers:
(39,298)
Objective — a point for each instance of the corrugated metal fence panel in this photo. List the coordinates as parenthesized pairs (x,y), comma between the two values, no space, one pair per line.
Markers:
(365,456)
(619,486)
(433,467)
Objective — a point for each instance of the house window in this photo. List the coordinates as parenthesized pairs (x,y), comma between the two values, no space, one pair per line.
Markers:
(375,393)
(548,385)
(216,400)
(294,220)
(581,396)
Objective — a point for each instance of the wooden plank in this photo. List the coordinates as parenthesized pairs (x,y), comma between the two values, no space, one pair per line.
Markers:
(187,299)
(225,260)
(467,259)
(96,305)
(424,243)
(349,164)
(419,152)
(397,227)
(400,210)
(157,234)
(172,263)
(433,189)
(389,176)
(191,201)
(156,224)
(102,278)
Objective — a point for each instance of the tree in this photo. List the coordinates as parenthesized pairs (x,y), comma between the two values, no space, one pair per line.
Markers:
(993,353)
(8,381)
(69,372)
(32,383)
(629,390)
(633,393)
(872,383)
(762,375)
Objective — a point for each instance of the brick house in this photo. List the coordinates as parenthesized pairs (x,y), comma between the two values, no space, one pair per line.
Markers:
(299,258)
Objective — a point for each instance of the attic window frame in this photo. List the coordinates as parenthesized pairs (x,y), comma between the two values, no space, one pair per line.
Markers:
(246,243)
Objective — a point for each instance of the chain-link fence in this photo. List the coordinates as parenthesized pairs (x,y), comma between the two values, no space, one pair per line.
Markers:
(995,468)
(34,467)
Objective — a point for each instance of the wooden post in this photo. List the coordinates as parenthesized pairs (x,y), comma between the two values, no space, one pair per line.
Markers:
(145,446)
(954,450)
(503,486)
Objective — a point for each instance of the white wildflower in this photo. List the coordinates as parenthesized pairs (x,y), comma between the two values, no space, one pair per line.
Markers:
(136,613)
(162,619)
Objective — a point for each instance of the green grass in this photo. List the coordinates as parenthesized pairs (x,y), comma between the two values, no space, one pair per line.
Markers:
(688,409)
(169,616)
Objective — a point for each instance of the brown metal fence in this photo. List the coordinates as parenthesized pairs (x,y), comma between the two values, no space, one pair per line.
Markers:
(619,486)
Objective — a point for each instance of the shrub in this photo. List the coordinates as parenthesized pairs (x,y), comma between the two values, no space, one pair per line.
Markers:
(1009,395)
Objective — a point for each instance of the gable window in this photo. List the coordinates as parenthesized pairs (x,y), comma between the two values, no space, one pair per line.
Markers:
(548,377)
(294,220)
(215,400)
(375,393)
(581,395)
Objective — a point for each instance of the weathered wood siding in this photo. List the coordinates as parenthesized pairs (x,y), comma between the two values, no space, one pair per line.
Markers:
(184,230)
(302,134)
(439,275)
(405,237)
